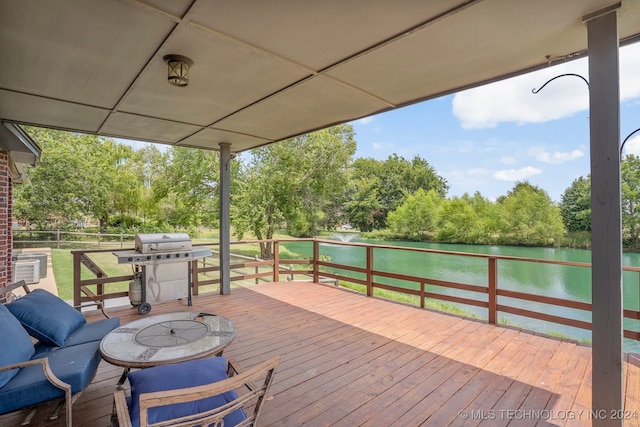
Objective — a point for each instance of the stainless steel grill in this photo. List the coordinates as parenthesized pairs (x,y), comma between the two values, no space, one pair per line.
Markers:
(161,268)
(161,248)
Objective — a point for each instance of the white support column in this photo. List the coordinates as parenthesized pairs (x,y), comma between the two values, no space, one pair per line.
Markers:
(225,222)
(606,216)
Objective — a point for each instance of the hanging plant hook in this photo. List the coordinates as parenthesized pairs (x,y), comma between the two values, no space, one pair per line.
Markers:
(534,90)
(627,138)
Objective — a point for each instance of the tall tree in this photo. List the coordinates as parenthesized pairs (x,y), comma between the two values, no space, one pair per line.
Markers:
(380,187)
(291,181)
(74,179)
(416,218)
(458,222)
(575,205)
(148,163)
(188,186)
(529,216)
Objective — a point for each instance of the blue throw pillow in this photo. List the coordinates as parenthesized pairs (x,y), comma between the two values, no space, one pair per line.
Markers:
(182,375)
(46,317)
(15,344)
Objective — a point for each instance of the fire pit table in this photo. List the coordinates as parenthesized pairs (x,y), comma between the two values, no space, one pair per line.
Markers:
(166,338)
(161,268)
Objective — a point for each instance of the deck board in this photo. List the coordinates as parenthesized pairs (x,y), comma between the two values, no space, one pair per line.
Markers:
(349,360)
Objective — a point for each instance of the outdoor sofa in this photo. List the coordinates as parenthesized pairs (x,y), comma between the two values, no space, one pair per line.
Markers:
(47,350)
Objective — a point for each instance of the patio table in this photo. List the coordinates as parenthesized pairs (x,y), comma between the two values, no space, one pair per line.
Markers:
(166,338)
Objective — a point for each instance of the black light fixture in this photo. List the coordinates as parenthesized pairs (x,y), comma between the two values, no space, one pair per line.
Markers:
(178,69)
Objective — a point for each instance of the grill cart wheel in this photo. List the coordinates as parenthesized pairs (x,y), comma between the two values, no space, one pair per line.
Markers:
(144,308)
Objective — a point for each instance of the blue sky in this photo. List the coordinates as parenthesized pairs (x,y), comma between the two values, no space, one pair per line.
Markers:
(486,139)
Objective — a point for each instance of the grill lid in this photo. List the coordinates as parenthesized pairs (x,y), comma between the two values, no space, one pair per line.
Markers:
(162,242)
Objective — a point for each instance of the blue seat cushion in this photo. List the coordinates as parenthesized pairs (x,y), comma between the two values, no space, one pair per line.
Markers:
(93,331)
(74,365)
(182,375)
(46,317)
(15,344)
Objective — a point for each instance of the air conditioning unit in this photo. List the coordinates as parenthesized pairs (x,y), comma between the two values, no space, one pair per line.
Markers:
(27,270)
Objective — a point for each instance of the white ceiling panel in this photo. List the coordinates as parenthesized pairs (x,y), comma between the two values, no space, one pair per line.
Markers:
(211,138)
(439,58)
(130,126)
(312,104)
(224,78)
(316,34)
(30,109)
(85,51)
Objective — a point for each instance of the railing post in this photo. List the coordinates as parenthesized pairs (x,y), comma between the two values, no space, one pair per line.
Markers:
(421,294)
(369,270)
(99,240)
(58,238)
(77,269)
(276,261)
(493,286)
(257,269)
(121,240)
(316,256)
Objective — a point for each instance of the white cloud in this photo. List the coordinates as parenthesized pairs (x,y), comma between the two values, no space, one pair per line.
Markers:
(478,172)
(516,174)
(365,120)
(511,100)
(383,146)
(508,160)
(544,156)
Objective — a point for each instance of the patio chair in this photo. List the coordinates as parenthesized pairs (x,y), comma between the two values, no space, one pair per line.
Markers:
(199,392)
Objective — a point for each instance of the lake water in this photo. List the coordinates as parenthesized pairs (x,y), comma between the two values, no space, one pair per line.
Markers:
(560,281)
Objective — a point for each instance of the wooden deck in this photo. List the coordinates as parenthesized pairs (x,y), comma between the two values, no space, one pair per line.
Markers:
(348,360)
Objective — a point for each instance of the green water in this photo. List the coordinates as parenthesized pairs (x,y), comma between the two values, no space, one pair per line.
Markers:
(573,283)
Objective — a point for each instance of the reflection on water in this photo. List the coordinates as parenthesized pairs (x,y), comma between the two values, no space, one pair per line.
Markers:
(567,282)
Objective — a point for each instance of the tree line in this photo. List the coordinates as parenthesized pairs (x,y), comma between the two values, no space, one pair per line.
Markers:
(306,185)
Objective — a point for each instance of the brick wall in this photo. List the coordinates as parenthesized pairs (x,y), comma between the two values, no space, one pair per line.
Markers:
(6,216)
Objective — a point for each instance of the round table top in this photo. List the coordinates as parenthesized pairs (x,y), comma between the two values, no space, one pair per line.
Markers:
(167,338)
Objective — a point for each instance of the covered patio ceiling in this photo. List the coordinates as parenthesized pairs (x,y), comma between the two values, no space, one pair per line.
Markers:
(267,71)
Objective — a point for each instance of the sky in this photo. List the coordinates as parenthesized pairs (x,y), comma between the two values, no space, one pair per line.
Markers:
(488,138)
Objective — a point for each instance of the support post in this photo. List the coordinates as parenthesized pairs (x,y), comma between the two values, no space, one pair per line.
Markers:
(225,221)
(606,216)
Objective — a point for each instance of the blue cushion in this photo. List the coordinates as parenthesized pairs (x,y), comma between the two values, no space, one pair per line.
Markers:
(46,317)
(93,331)
(74,365)
(15,344)
(182,375)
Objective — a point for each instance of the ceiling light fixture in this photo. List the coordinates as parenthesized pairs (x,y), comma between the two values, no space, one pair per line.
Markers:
(178,69)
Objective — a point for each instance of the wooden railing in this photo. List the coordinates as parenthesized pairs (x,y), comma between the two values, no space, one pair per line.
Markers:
(60,237)
(488,296)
